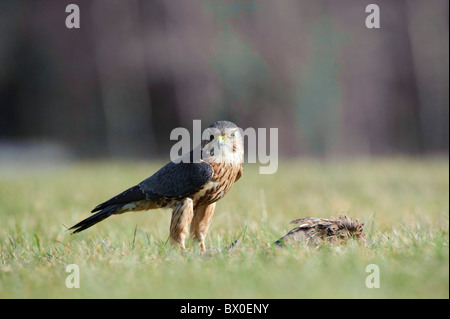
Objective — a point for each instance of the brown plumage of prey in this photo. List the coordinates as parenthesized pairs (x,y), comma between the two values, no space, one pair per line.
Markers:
(315,231)
(190,186)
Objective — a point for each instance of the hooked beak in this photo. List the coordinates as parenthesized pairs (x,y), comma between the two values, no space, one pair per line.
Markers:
(220,141)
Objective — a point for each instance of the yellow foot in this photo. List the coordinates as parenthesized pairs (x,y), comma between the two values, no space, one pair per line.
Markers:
(202,245)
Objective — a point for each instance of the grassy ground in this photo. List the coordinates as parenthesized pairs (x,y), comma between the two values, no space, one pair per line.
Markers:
(404,203)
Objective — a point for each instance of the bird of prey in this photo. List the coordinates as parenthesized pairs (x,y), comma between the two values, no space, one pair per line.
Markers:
(314,231)
(190,186)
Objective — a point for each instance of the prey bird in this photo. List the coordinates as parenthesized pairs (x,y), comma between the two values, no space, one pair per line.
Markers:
(314,231)
(190,186)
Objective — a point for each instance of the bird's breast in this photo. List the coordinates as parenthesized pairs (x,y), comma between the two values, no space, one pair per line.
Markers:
(224,176)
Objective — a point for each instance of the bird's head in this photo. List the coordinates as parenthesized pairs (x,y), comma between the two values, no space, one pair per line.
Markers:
(223,142)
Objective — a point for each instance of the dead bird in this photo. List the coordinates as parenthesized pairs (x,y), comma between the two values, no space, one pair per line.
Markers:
(314,231)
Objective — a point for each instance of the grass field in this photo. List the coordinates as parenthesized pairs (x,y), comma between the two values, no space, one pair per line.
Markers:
(404,203)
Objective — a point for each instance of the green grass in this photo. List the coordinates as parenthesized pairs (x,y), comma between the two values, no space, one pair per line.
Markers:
(404,203)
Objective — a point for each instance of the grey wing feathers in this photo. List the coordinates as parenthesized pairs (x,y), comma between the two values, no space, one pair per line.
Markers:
(177,180)
(171,181)
(132,194)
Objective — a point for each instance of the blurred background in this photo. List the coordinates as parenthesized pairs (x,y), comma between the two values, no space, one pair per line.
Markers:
(135,70)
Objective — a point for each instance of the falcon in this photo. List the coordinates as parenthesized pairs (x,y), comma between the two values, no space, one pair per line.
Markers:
(190,186)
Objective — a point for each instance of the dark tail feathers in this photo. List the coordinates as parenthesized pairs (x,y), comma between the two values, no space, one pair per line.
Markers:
(96,218)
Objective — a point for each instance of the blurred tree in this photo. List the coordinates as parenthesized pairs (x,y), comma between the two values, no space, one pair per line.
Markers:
(136,69)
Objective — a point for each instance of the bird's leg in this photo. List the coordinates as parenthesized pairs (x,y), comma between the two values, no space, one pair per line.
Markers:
(181,220)
(200,223)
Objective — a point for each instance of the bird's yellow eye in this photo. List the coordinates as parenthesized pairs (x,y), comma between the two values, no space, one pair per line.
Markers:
(232,134)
